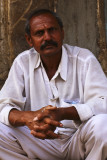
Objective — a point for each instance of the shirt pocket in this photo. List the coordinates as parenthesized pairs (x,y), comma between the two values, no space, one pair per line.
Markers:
(69,103)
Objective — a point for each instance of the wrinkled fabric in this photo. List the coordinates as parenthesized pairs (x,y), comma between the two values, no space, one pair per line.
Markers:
(79,82)
(89,142)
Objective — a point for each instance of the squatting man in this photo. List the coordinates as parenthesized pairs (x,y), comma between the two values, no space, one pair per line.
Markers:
(53,104)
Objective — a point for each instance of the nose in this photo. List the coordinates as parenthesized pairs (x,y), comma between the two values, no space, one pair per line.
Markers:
(47,36)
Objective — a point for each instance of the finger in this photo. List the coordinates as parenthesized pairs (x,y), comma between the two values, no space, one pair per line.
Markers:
(42,127)
(35,119)
(50,108)
(38,134)
(51,135)
(53,122)
(40,116)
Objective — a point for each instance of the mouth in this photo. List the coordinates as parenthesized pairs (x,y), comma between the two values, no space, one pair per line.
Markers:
(49,45)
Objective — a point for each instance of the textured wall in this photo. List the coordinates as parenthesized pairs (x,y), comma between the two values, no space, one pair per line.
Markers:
(84,22)
(4,48)
(81,26)
(105,1)
(17,20)
(13,15)
(79,17)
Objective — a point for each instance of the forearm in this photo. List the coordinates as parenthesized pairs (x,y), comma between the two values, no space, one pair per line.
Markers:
(38,129)
(59,114)
(69,113)
(18,118)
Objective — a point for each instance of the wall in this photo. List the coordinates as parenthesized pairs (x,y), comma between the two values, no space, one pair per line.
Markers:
(80,24)
(105,1)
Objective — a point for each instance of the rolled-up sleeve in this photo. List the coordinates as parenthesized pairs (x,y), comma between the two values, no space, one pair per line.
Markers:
(95,91)
(12,93)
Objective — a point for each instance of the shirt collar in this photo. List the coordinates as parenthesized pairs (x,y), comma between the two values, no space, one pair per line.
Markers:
(62,69)
(63,64)
(38,62)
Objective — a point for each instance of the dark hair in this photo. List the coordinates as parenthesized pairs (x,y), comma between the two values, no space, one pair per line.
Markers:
(39,12)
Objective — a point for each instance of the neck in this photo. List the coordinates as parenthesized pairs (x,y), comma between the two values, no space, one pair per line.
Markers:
(51,64)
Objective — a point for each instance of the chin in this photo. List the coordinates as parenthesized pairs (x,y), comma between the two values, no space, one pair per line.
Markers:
(49,54)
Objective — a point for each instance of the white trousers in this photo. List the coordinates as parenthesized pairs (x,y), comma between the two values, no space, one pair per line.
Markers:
(89,142)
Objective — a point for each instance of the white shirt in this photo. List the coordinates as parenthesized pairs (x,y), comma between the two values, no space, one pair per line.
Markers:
(79,81)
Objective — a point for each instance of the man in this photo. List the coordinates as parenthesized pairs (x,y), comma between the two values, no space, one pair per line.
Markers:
(53,105)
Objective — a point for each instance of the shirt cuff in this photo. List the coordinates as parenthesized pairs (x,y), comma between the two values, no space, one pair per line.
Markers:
(5,113)
(84,111)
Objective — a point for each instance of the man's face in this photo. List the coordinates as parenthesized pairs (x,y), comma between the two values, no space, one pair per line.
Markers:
(46,36)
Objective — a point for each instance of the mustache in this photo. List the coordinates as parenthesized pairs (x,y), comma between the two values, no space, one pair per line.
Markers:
(46,43)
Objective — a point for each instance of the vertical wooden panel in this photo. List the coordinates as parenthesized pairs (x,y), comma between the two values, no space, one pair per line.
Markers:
(102,56)
(84,23)
(80,21)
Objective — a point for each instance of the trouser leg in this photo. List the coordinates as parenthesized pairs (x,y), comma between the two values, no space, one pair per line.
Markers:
(95,138)
(9,148)
(90,140)
(19,144)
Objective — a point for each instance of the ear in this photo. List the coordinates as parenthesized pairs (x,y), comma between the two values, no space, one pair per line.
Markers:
(29,40)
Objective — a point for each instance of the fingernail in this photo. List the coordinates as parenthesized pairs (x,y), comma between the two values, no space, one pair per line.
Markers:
(35,119)
(61,125)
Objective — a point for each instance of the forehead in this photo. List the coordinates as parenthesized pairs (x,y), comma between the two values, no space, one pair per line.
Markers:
(42,20)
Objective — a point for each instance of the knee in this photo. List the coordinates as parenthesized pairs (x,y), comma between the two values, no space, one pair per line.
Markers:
(99,126)
(4,130)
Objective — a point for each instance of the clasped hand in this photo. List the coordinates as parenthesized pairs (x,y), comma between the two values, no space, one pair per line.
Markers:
(46,122)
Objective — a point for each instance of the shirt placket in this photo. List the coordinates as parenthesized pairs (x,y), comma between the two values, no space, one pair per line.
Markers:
(54,90)
(51,89)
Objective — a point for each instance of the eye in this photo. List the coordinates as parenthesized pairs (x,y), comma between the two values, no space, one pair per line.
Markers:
(52,29)
(39,33)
